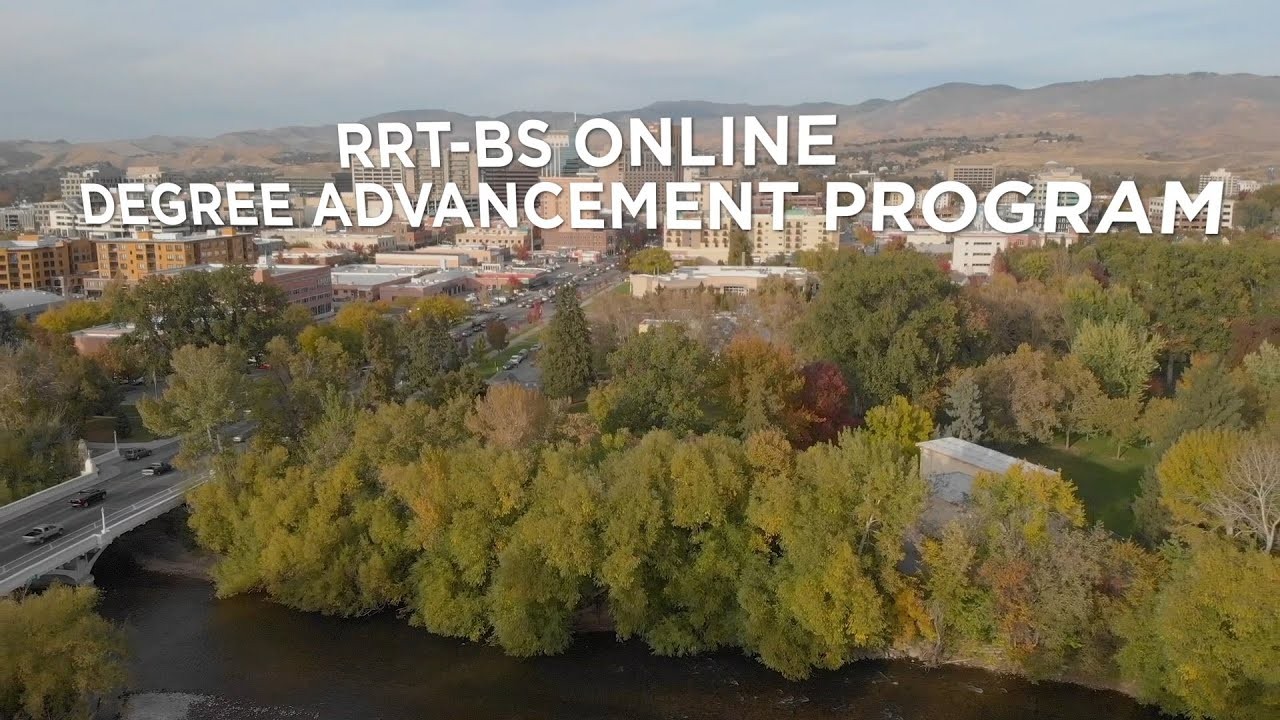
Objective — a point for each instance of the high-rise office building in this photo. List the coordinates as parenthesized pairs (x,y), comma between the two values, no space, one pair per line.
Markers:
(457,168)
(980,178)
(651,170)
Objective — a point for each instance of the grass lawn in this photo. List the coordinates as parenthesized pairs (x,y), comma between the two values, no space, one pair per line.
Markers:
(101,428)
(1106,485)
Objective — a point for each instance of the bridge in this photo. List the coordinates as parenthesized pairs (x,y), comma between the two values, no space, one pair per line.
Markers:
(132,499)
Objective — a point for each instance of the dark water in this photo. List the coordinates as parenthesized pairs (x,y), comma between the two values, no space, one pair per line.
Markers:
(257,660)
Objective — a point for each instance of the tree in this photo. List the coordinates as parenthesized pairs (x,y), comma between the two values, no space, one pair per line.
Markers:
(208,390)
(1082,399)
(1249,500)
(448,310)
(892,322)
(1203,644)
(1118,419)
(495,332)
(1122,356)
(825,401)
(10,334)
(662,378)
(900,423)
(763,386)
(1207,398)
(964,407)
(56,655)
(75,315)
(651,261)
(739,247)
(224,307)
(511,417)
(565,358)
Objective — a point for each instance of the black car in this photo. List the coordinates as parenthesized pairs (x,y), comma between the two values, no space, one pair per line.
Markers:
(85,498)
(157,468)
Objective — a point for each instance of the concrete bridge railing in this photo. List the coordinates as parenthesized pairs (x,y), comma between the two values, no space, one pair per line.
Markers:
(63,490)
(89,541)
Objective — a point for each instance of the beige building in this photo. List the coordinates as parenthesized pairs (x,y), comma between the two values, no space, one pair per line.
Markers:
(979,177)
(131,259)
(444,256)
(341,240)
(46,263)
(457,168)
(718,278)
(801,230)
(512,238)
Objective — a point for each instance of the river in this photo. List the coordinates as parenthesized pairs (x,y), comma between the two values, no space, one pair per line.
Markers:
(195,657)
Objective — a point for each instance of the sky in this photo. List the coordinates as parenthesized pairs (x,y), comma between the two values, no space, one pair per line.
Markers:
(85,70)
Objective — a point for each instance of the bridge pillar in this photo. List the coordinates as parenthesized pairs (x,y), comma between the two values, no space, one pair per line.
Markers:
(77,571)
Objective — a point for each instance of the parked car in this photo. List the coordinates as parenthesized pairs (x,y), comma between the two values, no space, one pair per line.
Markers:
(157,468)
(134,453)
(41,534)
(85,498)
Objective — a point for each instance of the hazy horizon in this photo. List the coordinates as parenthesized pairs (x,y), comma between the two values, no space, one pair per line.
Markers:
(122,70)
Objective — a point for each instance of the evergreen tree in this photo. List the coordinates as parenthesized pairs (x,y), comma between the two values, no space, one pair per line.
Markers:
(566,356)
(964,407)
(9,332)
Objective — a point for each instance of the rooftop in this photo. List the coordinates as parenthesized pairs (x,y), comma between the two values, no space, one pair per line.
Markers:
(109,330)
(28,242)
(695,272)
(978,456)
(370,275)
(19,300)
(442,276)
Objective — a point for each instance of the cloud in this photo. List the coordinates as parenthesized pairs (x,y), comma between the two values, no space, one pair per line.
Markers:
(137,67)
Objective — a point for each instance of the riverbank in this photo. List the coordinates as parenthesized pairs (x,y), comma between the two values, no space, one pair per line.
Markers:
(194,657)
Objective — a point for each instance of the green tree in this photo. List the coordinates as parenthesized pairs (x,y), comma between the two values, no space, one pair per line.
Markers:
(1122,356)
(964,407)
(900,423)
(207,391)
(56,655)
(1204,643)
(1082,399)
(651,261)
(565,358)
(892,322)
(663,379)
(10,334)
(1207,397)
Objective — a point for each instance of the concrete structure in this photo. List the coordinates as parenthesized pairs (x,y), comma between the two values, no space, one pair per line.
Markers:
(1039,191)
(46,263)
(330,240)
(106,175)
(18,219)
(1182,225)
(801,230)
(950,466)
(366,282)
(522,177)
(132,500)
(730,280)
(131,259)
(650,169)
(1230,183)
(457,281)
(311,256)
(93,339)
(29,304)
(564,239)
(395,172)
(979,177)
(444,256)
(499,235)
(974,253)
(457,168)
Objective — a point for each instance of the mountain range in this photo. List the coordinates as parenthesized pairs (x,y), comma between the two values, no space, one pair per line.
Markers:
(1167,123)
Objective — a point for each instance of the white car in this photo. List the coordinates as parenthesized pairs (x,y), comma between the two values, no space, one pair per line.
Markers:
(41,534)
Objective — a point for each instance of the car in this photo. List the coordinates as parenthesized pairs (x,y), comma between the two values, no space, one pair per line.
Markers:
(157,468)
(134,453)
(85,498)
(41,534)
(237,438)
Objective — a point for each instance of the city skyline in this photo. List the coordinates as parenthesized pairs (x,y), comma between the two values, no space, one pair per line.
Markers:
(208,79)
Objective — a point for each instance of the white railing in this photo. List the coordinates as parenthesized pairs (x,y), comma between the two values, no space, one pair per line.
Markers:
(63,549)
